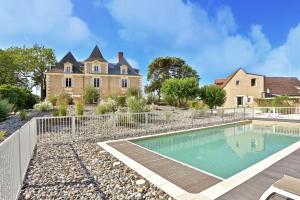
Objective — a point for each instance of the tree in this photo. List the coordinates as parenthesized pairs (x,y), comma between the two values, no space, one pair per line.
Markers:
(8,69)
(31,64)
(163,68)
(213,96)
(181,89)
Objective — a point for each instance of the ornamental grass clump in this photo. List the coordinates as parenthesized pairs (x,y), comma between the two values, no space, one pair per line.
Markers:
(22,115)
(136,104)
(106,106)
(62,110)
(5,109)
(79,108)
(43,106)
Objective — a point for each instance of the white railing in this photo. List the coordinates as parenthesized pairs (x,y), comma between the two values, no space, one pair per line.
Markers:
(292,113)
(110,126)
(15,154)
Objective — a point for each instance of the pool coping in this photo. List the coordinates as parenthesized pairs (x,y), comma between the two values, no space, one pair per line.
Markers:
(212,192)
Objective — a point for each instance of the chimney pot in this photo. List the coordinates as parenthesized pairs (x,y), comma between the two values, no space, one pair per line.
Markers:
(120,55)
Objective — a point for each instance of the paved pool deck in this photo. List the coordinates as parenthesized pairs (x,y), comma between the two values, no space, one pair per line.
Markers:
(187,178)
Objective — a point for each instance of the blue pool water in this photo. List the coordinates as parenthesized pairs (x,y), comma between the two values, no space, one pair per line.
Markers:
(225,150)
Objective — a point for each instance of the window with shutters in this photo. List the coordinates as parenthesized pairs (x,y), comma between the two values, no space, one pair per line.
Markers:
(96,82)
(124,83)
(68,82)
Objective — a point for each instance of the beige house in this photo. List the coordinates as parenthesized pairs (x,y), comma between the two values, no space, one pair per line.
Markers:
(73,77)
(243,88)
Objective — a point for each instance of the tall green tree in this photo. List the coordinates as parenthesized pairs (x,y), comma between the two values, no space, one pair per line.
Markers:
(181,89)
(31,64)
(212,95)
(163,68)
(41,59)
(8,69)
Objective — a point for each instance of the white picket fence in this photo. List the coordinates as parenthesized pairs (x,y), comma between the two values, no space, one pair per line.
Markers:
(15,154)
(17,150)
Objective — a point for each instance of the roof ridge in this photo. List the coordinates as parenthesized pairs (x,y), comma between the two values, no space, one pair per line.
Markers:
(96,55)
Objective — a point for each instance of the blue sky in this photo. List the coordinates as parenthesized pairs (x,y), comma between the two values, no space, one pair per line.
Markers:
(213,36)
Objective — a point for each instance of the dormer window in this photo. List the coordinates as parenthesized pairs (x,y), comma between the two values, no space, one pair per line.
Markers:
(124,70)
(68,68)
(96,68)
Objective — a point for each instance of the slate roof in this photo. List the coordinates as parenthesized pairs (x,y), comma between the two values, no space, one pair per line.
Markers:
(279,86)
(59,67)
(116,68)
(96,55)
(113,68)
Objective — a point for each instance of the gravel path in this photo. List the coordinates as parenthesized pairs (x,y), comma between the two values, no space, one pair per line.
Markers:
(83,171)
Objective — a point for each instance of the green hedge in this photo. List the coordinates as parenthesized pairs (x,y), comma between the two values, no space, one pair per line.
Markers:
(20,97)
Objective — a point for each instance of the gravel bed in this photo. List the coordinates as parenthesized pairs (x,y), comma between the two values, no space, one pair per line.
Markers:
(83,170)
(14,122)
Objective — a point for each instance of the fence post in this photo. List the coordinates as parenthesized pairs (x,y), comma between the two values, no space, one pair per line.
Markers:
(244,113)
(233,113)
(146,122)
(222,114)
(73,128)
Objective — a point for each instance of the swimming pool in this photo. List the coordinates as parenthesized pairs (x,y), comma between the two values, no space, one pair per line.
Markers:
(225,150)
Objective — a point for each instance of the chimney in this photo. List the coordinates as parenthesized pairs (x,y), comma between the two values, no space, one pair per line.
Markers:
(120,55)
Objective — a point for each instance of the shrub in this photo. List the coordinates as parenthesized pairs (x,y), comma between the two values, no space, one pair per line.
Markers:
(22,115)
(90,95)
(134,92)
(101,109)
(55,113)
(169,100)
(111,104)
(121,101)
(43,106)
(181,89)
(281,101)
(79,107)
(5,109)
(136,105)
(105,106)
(2,134)
(152,98)
(53,100)
(20,97)
(196,105)
(62,110)
(213,96)
(65,99)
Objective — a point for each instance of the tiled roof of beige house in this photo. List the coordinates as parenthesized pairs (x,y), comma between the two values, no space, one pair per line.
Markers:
(278,86)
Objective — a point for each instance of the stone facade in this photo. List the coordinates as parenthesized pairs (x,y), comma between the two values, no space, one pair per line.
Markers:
(73,77)
(243,88)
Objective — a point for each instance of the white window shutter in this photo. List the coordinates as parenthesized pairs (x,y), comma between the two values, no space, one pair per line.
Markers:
(92,82)
(63,82)
(73,82)
(120,83)
(128,83)
(100,82)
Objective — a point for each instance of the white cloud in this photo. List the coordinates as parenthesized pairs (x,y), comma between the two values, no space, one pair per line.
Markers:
(209,42)
(47,21)
(284,60)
